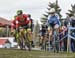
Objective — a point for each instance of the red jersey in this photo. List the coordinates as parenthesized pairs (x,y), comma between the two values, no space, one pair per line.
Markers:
(20,20)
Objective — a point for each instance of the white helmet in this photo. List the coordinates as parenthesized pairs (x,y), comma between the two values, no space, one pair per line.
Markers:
(52,10)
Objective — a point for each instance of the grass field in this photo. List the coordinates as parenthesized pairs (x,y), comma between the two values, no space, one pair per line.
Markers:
(13,53)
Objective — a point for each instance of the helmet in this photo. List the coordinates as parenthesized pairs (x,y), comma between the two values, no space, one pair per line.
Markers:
(29,15)
(19,12)
(52,10)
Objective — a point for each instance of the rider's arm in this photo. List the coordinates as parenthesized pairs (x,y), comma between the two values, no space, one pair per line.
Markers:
(26,19)
(49,21)
(13,24)
(58,19)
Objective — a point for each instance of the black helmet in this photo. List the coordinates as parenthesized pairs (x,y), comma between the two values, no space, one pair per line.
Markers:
(29,15)
(19,12)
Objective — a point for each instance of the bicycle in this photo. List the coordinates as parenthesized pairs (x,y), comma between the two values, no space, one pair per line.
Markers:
(55,40)
(43,41)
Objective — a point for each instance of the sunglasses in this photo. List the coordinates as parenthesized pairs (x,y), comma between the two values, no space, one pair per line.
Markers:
(52,13)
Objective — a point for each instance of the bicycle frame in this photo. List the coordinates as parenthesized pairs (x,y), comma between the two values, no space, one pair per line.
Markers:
(55,40)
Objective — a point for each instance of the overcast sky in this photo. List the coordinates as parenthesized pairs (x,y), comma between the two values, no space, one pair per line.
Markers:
(36,8)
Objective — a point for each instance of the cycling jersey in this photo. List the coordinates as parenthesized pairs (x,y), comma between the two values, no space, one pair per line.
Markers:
(32,25)
(53,20)
(43,30)
(22,20)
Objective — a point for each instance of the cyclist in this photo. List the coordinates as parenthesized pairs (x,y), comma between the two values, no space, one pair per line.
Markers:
(31,31)
(21,20)
(43,35)
(32,25)
(54,22)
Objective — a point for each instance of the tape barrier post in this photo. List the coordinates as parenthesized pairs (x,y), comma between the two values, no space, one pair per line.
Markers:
(68,40)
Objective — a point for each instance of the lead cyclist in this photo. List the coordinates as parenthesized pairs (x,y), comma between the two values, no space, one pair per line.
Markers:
(21,20)
(54,23)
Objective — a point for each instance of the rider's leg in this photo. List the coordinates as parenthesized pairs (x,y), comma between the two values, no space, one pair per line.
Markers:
(50,36)
(21,33)
(30,37)
(45,40)
(41,43)
(27,39)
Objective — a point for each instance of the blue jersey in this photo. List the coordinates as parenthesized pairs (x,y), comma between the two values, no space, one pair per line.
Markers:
(53,20)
